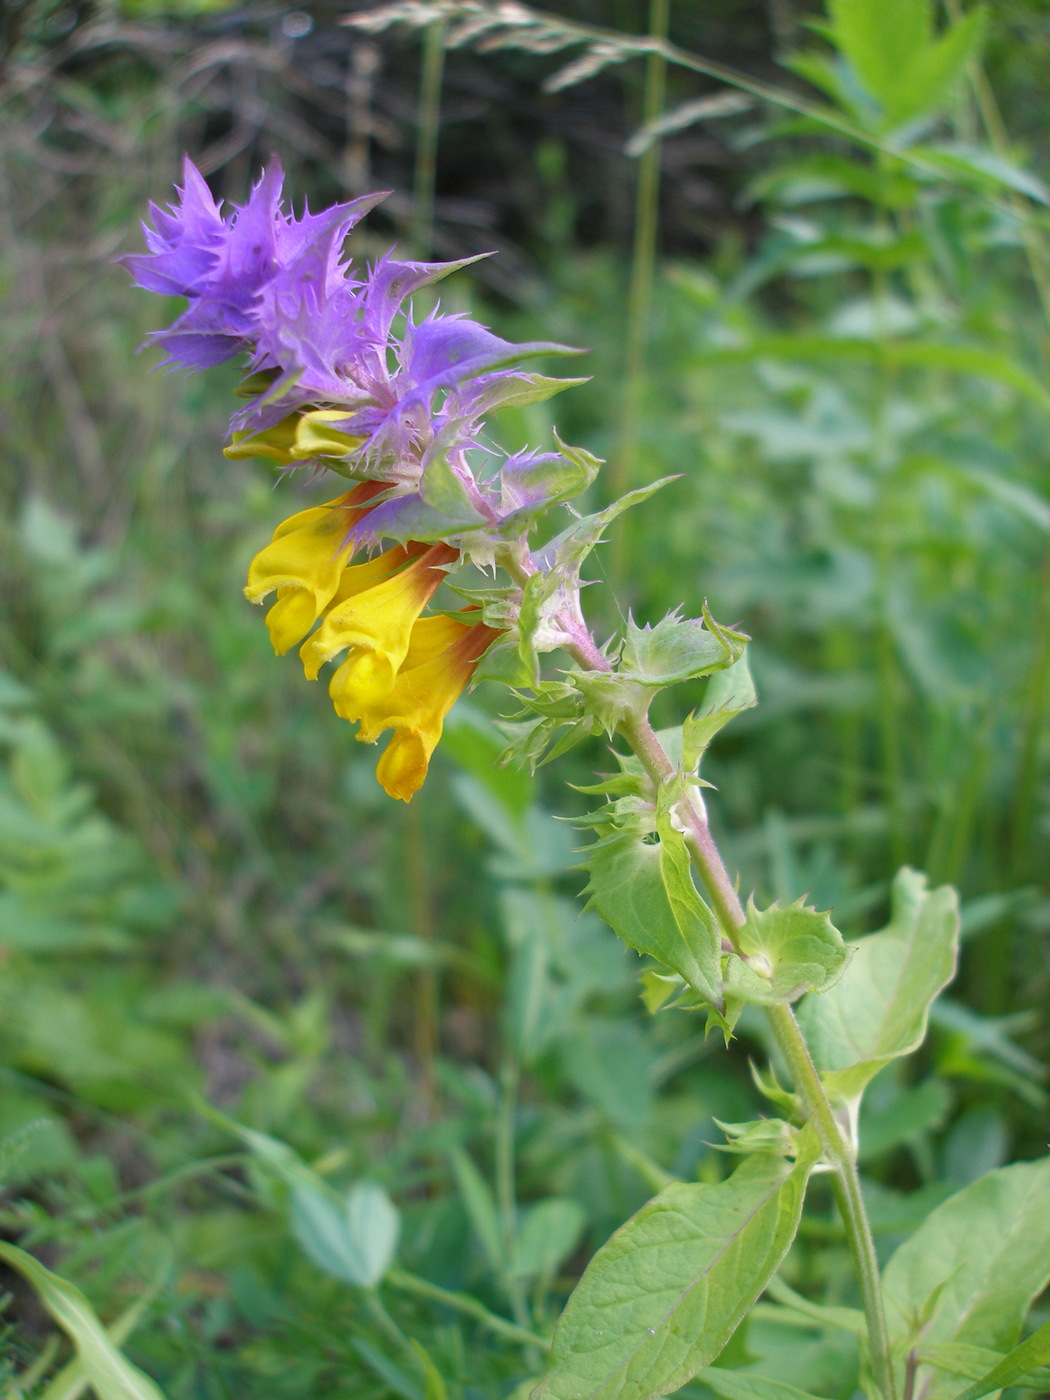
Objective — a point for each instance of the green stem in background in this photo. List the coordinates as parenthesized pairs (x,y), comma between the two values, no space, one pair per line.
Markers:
(428,121)
(621,472)
(1034,711)
(465,1303)
(506,1191)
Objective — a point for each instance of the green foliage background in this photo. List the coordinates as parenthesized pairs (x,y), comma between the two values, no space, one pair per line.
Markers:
(205,899)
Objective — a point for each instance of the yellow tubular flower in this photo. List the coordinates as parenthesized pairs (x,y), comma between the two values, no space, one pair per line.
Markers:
(304,563)
(441,658)
(376,619)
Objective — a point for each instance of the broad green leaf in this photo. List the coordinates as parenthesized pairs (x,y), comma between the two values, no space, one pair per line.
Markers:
(729,693)
(879,39)
(1021,1362)
(353,1240)
(644,891)
(970,1272)
(111,1374)
(790,951)
(664,1295)
(735,1385)
(880,1007)
(549,1233)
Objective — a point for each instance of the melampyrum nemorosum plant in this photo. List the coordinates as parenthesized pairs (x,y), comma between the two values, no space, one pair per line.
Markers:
(342,377)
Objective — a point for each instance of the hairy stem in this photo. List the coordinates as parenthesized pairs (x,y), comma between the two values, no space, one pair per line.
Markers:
(837,1149)
(725,901)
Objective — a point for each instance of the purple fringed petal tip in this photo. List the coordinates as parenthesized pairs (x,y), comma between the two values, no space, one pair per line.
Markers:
(223,263)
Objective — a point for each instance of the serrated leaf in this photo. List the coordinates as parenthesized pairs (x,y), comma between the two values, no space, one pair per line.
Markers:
(729,693)
(971,1270)
(644,891)
(664,1295)
(676,649)
(111,1374)
(760,1135)
(530,487)
(791,950)
(879,1009)
(554,587)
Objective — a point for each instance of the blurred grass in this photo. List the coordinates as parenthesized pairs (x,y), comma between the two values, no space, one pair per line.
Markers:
(202,890)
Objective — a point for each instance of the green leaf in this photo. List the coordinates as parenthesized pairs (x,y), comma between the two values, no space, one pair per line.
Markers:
(644,891)
(759,1135)
(553,588)
(734,1385)
(677,649)
(843,1319)
(890,46)
(790,951)
(978,166)
(729,693)
(548,1235)
(664,1295)
(926,83)
(354,1240)
(959,1359)
(1032,1352)
(111,1374)
(481,1207)
(433,1384)
(880,1007)
(879,39)
(971,1270)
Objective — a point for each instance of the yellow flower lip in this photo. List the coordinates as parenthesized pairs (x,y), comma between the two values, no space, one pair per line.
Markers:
(377,617)
(304,563)
(441,659)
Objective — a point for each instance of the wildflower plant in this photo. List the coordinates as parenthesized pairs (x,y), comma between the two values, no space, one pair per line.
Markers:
(342,376)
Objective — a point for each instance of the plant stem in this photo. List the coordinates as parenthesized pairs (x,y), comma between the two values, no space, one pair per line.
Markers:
(838,1151)
(506,1191)
(721,890)
(646,218)
(464,1303)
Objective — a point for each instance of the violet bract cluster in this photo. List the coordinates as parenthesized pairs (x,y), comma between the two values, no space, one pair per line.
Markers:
(341,376)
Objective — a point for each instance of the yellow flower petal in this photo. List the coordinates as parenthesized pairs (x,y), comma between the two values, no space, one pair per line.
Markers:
(306,556)
(378,618)
(441,659)
(296,438)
